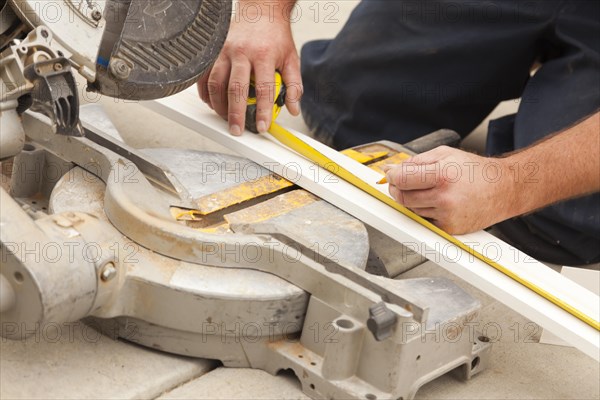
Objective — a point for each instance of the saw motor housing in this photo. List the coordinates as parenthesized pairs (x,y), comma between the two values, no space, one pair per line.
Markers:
(128,49)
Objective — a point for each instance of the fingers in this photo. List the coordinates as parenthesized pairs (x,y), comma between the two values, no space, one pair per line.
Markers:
(420,198)
(239,82)
(225,90)
(412,176)
(415,198)
(432,156)
(396,194)
(434,214)
(429,213)
(264,74)
(217,84)
(203,89)
(293,80)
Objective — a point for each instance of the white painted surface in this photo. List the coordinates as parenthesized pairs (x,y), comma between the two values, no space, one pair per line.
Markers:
(588,279)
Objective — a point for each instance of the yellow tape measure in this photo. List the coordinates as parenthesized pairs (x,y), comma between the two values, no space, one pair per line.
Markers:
(278,102)
(293,142)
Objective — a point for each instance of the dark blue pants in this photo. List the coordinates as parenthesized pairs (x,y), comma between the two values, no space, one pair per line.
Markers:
(401,69)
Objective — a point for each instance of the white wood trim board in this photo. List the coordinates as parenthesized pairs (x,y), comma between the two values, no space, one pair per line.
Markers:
(188,110)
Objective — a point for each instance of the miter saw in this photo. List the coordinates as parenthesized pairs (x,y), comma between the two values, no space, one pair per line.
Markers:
(194,253)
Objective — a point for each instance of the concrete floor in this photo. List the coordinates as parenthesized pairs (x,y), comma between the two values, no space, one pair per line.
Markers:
(77,363)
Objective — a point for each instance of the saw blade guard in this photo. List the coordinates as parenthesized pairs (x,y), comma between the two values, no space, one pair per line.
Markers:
(152,49)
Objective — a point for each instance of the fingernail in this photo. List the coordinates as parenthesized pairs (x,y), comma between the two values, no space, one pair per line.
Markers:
(261,126)
(294,109)
(235,130)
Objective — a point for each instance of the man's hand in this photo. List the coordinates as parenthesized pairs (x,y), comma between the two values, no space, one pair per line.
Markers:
(462,192)
(459,191)
(259,42)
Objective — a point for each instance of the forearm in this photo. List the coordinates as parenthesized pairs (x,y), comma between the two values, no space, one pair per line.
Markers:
(564,166)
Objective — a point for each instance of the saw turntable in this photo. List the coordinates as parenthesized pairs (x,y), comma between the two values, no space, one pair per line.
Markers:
(196,253)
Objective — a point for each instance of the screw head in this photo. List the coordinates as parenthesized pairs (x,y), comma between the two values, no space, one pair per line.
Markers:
(109,271)
(96,15)
(58,67)
(119,69)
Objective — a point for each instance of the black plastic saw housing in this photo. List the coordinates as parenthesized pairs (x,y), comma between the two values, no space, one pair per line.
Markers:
(156,48)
